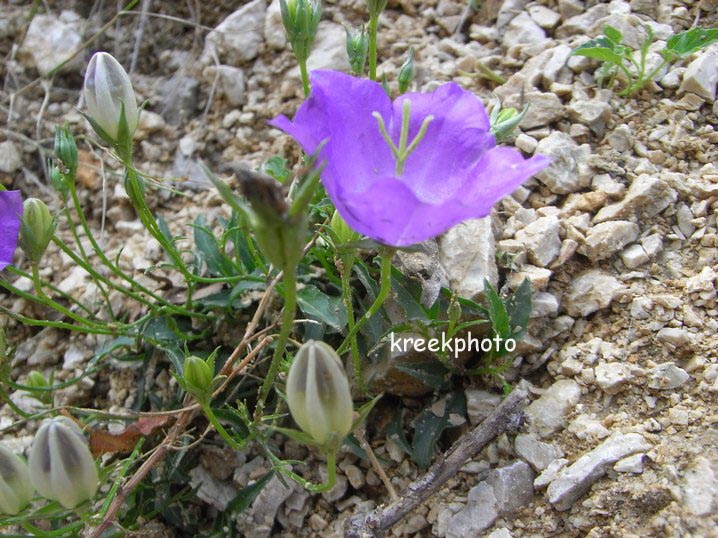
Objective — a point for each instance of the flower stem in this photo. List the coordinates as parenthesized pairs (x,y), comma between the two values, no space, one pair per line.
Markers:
(331,475)
(4,396)
(346,270)
(83,253)
(115,269)
(384,288)
(47,301)
(217,426)
(373,25)
(290,305)
(305,76)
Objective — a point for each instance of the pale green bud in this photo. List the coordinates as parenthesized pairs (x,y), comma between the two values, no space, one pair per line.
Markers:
(108,92)
(61,466)
(198,374)
(357,50)
(66,149)
(36,380)
(36,228)
(342,231)
(505,120)
(16,491)
(318,394)
(406,72)
(301,19)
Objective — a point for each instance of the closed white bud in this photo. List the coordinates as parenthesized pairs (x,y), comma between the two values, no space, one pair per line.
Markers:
(107,89)
(61,466)
(318,394)
(15,489)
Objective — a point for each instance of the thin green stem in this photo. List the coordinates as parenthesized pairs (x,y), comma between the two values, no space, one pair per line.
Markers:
(373,26)
(81,248)
(218,426)
(290,305)
(44,300)
(305,76)
(331,475)
(48,285)
(98,276)
(385,287)
(345,272)
(6,397)
(32,322)
(116,270)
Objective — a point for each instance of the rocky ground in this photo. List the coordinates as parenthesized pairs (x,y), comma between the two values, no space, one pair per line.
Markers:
(618,237)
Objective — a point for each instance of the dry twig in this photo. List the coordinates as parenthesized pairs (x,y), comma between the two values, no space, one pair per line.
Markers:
(504,418)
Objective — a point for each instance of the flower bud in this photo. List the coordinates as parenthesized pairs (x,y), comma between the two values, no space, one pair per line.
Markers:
(342,231)
(357,49)
(61,466)
(505,120)
(15,489)
(318,394)
(37,384)
(198,375)
(406,72)
(36,228)
(301,19)
(108,91)
(66,150)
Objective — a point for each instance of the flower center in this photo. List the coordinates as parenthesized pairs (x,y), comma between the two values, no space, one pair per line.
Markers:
(402,152)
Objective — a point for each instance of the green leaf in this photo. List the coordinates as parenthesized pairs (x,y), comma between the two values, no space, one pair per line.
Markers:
(395,431)
(364,411)
(208,251)
(600,48)
(276,167)
(246,495)
(519,309)
(430,425)
(317,305)
(407,294)
(688,42)
(230,416)
(430,372)
(498,315)
(613,34)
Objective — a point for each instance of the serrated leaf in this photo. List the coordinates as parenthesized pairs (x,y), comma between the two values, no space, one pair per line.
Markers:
(322,307)
(688,42)
(430,425)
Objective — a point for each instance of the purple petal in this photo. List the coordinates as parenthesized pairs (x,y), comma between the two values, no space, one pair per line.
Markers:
(455,139)
(340,109)
(455,173)
(499,173)
(10,213)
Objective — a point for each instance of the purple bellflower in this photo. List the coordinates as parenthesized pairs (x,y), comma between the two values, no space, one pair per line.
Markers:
(10,213)
(404,172)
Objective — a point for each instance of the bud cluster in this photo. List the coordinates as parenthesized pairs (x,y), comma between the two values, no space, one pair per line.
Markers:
(60,468)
